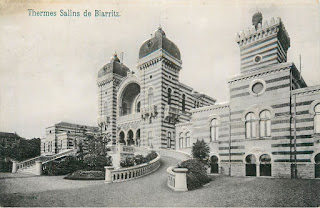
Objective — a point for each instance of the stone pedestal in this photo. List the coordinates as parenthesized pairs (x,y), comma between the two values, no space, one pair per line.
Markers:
(180,179)
(14,166)
(38,168)
(108,177)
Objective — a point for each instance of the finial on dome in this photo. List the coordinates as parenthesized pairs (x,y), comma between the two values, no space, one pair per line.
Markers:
(115,57)
(256,19)
(160,31)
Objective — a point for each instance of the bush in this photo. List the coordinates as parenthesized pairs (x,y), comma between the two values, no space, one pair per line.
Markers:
(139,159)
(86,175)
(152,155)
(97,162)
(5,166)
(197,173)
(127,162)
(68,165)
(200,150)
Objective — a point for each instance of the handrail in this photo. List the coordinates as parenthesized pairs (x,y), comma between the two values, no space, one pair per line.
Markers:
(126,174)
(57,156)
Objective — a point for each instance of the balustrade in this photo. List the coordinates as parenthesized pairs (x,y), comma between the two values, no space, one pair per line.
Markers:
(125,174)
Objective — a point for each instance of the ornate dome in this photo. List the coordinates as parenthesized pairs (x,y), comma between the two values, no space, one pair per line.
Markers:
(256,19)
(159,40)
(113,67)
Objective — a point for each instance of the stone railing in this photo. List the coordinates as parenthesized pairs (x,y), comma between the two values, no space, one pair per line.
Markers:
(126,174)
(129,118)
(40,159)
(177,178)
(149,111)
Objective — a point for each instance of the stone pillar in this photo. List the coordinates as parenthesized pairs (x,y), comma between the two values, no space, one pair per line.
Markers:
(258,170)
(180,179)
(14,166)
(108,177)
(38,168)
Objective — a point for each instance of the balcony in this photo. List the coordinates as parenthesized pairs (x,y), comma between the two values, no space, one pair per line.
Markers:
(171,113)
(129,118)
(149,111)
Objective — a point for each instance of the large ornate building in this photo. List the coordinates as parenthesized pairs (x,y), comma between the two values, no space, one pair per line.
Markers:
(142,107)
(271,125)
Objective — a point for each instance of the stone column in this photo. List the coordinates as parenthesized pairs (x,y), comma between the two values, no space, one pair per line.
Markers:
(38,168)
(108,177)
(180,179)
(258,170)
(14,166)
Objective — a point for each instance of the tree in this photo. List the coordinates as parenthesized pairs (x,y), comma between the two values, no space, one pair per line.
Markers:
(96,156)
(200,150)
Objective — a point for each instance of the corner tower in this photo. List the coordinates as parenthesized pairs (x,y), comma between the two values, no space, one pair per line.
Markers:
(159,65)
(109,77)
(264,44)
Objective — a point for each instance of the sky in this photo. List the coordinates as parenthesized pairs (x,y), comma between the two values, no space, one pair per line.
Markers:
(49,65)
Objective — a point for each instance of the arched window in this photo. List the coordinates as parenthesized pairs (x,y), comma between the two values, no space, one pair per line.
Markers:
(181,140)
(105,108)
(187,140)
(214,130)
(250,125)
(138,107)
(150,96)
(150,138)
(317,119)
(169,139)
(265,123)
(183,103)
(124,109)
(169,96)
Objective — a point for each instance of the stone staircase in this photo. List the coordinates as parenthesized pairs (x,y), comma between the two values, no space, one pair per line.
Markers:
(28,166)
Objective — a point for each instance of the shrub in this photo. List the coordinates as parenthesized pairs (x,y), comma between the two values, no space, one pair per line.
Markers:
(97,162)
(68,165)
(197,173)
(5,166)
(139,159)
(86,175)
(127,162)
(152,155)
(200,150)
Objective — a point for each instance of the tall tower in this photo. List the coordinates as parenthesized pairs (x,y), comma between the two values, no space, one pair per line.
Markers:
(159,65)
(263,44)
(109,77)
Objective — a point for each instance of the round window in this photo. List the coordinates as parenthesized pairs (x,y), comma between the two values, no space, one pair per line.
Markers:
(257,88)
(257,59)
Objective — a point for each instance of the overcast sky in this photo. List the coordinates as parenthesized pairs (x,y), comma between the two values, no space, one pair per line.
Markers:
(49,65)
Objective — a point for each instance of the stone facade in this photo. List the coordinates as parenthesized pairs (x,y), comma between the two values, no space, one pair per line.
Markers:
(270,126)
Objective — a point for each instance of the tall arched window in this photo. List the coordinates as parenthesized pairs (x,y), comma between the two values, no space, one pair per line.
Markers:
(214,130)
(317,119)
(265,123)
(250,125)
(150,96)
(183,103)
(124,109)
(105,108)
(188,140)
(169,139)
(150,138)
(138,107)
(169,96)
(181,140)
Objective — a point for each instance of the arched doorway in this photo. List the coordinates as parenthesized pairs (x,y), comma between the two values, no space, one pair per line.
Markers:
(251,166)
(127,99)
(317,165)
(130,138)
(214,164)
(265,165)
(121,138)
(138,138)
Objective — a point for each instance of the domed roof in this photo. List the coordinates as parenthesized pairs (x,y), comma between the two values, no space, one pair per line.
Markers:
(159,40)
(256,19)
(113,67)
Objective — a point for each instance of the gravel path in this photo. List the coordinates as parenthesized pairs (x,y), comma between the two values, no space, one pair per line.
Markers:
(152,190)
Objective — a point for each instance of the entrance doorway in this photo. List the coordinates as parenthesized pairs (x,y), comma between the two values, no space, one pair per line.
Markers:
(214,164)
(251,169)
(265,165)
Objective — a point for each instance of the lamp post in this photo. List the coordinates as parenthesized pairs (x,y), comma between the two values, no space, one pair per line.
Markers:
(103,121)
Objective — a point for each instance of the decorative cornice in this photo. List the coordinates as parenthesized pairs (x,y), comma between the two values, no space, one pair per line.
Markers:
(261,72)
(307,90)
(251,35)
(211,107)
